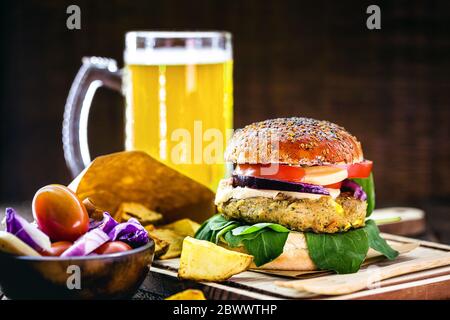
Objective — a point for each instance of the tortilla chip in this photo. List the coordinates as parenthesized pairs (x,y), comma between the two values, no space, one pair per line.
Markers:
(174,240)
(134,176)
(93,212)
(184,227)
(161,247)
(138,211)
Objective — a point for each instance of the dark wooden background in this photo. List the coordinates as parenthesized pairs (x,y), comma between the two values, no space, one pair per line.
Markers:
(390,87)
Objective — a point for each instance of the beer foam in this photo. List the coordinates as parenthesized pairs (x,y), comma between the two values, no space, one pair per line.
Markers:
(176,56)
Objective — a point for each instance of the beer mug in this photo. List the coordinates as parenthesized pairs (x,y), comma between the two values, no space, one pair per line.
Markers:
(178,89)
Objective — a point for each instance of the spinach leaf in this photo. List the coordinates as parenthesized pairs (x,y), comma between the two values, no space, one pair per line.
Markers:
(219,222)
(222,232)
(204,232)
(368,186)
(345,252)
(264,241)
(377,243)
(266,246)
(211,229)
(256,227)
(341,252)
(236,241)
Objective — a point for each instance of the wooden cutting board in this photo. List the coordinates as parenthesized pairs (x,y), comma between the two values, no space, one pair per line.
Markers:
(427,284)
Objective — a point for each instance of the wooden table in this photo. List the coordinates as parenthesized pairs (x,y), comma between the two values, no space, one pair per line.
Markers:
(427,284)
(431,284)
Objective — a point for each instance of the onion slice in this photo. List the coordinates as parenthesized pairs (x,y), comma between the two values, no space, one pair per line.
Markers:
(270,184)
(356,189)
(86,243)
(106,224)
(131,232)
(324,175)
(26,231)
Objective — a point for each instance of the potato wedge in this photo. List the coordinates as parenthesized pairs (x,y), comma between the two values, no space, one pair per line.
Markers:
(185,227)
(189,294)
(204,261)
(9,243)
(174,240)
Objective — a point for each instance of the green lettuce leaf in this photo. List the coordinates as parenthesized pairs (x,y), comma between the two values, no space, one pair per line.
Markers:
(264,241)
(345,252)
(211,228)
(377,243)
(368,186)
(266,246)
(340,252)
(256,227)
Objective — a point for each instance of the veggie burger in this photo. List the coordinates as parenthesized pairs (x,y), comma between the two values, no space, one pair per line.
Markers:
(298,198)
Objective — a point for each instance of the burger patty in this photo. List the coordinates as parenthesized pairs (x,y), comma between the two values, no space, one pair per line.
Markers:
(322,215)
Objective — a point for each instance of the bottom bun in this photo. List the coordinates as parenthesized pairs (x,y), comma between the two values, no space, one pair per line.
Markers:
(295,256)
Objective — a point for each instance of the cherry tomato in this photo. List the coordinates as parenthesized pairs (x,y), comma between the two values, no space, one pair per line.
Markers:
(57,248)
(112,247)
(59,213)
(271,171)
(360,170)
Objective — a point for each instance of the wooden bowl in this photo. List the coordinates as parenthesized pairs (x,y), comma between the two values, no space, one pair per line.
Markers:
(109,276)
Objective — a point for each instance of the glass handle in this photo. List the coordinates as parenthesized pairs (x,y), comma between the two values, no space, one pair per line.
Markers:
(94,73)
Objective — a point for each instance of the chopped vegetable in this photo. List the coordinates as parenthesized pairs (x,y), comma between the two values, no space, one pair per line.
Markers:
(270,184)
(131,232)
(106,224)
(9,243)
(368,186)
(87,243)
(26,231)
(356,189)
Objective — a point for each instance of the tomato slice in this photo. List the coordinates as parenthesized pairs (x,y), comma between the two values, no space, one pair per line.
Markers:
(336,185)
(360,170)
(297,174)
(271,171)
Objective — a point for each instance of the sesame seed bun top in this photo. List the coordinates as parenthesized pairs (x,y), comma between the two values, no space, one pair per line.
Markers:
(296,141)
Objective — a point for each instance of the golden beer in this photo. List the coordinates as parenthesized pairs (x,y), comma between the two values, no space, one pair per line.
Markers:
(178,106)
